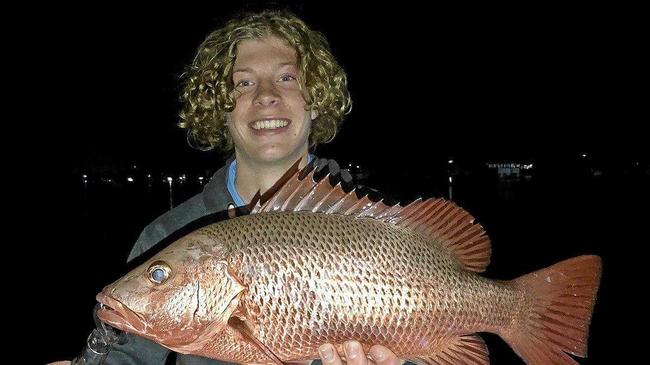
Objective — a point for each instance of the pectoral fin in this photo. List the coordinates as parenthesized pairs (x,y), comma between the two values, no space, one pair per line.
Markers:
(240,326)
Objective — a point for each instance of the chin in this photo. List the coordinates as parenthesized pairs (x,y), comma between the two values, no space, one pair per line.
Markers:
(275,153)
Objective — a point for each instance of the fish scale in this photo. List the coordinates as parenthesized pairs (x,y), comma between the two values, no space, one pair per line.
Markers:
(344,274)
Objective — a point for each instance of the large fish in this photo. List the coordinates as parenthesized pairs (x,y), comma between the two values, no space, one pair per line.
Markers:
(313,264)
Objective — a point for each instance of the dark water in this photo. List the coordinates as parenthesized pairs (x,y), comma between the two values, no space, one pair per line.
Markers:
(555,214)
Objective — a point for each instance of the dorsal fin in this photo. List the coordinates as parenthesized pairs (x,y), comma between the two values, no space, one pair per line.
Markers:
(439,219)
(287,177)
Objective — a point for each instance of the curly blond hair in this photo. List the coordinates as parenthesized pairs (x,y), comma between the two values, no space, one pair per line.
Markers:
(207,85)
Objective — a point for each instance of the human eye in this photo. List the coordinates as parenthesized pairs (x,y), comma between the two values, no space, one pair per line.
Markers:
(287,77)
(243,83)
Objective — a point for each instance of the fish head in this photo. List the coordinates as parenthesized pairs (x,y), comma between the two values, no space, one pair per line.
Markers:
(180,298)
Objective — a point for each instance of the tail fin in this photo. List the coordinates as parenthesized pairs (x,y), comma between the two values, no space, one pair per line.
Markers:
(560,303)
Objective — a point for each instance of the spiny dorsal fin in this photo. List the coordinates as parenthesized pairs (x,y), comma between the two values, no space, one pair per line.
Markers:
(439,219)
(289,176)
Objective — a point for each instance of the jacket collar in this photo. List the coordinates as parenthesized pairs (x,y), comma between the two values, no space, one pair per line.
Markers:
(215,193)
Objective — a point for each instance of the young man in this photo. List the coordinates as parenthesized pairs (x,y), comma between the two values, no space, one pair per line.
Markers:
(268,87)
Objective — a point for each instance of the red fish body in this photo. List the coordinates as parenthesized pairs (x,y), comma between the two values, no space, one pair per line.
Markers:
(314,264)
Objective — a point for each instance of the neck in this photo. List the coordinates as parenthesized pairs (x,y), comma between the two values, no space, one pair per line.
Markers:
(253,176)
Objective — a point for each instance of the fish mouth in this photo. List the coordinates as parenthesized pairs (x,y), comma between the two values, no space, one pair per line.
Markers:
(116,314)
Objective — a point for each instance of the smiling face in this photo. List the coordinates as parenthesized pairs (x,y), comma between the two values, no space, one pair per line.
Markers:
(269,122)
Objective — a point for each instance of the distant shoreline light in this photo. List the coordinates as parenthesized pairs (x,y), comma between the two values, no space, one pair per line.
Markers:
(511,165)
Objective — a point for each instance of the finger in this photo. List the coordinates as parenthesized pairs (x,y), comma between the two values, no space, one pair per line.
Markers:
(320,165)
(346,177)
(354,354)
(328,355)
(383,356)
(333,167)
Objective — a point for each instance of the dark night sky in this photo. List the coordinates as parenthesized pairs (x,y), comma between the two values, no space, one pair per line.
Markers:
(534,83)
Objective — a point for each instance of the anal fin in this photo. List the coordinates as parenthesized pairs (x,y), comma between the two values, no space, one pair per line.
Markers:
(461,350)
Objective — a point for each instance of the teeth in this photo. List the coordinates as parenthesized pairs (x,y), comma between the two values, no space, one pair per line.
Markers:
(269,124)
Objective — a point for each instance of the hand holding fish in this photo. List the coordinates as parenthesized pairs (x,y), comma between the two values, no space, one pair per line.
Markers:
(354,356)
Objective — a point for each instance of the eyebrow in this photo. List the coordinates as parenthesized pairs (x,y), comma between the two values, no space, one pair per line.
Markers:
(250,70)
(245,69)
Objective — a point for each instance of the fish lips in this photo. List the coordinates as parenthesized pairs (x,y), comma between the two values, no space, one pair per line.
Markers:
(116,314)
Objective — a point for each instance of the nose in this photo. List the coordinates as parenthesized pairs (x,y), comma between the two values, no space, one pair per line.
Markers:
(267,94)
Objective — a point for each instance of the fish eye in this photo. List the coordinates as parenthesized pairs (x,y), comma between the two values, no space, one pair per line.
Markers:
(158,272)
